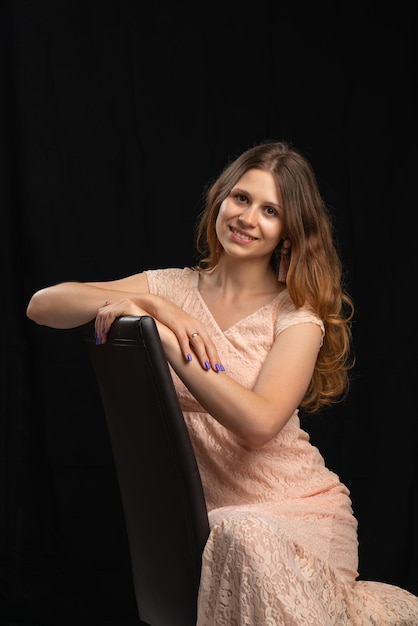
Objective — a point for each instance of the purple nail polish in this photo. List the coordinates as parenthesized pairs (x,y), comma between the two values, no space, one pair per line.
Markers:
(207,365)
(189,357)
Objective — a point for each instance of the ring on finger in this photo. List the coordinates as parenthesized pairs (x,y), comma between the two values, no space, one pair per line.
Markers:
(193,335)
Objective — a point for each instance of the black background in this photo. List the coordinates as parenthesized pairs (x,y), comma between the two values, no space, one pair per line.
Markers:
(115,116)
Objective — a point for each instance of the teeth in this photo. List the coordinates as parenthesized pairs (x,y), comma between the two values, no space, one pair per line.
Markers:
(242,235)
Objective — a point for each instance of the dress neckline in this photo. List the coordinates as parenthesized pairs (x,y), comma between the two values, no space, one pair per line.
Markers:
(246,317)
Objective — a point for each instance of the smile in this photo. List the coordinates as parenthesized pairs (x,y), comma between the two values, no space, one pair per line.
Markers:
(240,235)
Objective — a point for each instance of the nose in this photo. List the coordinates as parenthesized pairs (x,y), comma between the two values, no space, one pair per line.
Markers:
(248,217)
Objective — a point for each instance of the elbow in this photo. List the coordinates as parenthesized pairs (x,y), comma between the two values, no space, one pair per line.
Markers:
(258,433)
(257,438)
(31,310)
(34,308)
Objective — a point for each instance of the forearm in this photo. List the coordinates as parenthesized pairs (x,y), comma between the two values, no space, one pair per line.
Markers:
(244,412)
(72,304)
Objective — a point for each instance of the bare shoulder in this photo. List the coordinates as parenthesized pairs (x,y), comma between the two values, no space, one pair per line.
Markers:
(295,350)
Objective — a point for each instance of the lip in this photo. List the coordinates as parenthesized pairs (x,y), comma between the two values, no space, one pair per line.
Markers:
(241,236)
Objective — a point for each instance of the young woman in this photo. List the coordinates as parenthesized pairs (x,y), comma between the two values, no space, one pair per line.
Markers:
(260,328)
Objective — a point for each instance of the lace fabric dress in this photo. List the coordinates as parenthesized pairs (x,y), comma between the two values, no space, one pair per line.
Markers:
(283,543)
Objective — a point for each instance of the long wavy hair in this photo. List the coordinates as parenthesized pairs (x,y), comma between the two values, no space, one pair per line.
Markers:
(315,274)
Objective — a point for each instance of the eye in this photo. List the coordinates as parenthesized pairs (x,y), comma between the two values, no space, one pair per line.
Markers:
(270,210)
(240,197)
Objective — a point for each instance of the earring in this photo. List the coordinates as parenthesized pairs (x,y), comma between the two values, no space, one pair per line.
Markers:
(284,260)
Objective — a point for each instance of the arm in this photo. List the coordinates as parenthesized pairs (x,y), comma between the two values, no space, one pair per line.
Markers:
(255,415)
(71,304)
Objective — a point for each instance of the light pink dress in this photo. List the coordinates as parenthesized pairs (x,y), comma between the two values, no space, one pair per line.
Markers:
(283,543)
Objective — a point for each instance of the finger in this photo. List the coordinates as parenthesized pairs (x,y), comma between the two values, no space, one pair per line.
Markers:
(206,352)
(185,341)
(104,320)
(214,359)
(196,344)
(100,330)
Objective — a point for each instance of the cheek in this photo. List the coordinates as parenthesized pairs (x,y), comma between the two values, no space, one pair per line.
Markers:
(275,232)
(218,226)
(223,210)
(221,217)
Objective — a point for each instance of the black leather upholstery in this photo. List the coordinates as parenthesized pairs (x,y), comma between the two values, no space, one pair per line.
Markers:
(164,507)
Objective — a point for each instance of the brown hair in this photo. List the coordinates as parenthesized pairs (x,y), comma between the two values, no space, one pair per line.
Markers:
(315,274)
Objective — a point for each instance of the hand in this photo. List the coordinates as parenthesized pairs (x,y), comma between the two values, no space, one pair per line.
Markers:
(191,334)
(107,314)
(192,337)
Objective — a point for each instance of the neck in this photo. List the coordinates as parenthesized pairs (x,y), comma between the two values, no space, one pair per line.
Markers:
(241,277)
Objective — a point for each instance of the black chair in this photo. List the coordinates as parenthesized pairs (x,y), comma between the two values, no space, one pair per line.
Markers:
(161,491)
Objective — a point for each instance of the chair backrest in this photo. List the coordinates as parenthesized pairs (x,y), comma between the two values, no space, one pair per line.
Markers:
(161,491)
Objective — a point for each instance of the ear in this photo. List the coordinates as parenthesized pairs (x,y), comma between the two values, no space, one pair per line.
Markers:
(286,245)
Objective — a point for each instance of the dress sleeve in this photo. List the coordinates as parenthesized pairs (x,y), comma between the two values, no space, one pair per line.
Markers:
(170,283)
(288,315)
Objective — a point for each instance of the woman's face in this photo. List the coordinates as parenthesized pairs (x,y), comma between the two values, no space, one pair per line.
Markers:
(250,221)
